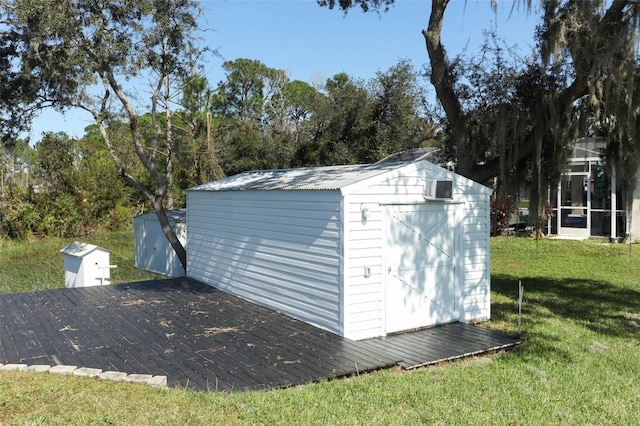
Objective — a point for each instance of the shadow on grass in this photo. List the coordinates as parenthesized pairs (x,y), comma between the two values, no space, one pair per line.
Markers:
(599,306)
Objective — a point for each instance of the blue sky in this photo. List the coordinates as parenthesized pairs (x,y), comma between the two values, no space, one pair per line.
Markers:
(306,40)
(312,43)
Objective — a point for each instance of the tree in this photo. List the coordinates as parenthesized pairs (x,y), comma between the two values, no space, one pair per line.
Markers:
(343,122)
(253,113)
(82,54)
(107,198)
(250,91)
(18,161)
(197,126)
(349,121)
(588,49)
(21,98)
(59,162)
(300,98)
(398,111)
(352,121)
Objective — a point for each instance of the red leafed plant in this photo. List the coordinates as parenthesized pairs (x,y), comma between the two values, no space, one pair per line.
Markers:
(501,209)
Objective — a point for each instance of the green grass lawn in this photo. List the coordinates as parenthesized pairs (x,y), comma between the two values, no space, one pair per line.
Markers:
(579,364)
(39,265)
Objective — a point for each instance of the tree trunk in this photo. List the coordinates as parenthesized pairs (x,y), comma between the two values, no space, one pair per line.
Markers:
(168,142)
(162,185)
(443,82)
(169,232)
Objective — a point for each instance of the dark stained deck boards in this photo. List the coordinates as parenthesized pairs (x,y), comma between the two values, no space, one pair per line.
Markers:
(205,339)
(438,344)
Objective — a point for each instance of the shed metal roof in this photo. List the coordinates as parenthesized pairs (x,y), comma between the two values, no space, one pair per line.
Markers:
(414,154)
(178,216)
(307,178)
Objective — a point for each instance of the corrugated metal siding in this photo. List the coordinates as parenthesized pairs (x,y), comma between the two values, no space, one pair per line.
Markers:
(281,249)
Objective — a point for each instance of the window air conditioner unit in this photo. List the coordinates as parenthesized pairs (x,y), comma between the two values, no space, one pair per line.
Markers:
(438,190)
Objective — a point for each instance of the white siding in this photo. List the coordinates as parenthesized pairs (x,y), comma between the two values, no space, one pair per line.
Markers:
(364,246)
(280,249)
(152,249)
(364,295)
(307,251)
(477,273)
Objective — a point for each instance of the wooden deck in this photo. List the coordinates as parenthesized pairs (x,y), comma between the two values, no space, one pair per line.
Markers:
(205,339)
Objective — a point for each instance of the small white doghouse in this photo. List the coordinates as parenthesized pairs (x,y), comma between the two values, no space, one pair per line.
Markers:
(152,249)
(362,251)
(86,265)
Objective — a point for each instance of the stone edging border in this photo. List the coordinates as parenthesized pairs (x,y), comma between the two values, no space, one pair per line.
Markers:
(144,379)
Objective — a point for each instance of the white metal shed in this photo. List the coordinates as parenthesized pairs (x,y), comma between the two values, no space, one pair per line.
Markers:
(152,249)
(361,251)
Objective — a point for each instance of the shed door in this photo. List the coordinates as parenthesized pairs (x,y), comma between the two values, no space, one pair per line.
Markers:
(421,251)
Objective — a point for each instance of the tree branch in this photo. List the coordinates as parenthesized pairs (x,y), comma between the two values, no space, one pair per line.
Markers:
(443,81)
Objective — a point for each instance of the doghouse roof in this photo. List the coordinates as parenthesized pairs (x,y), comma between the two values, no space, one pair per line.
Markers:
(78,249)
(316,178)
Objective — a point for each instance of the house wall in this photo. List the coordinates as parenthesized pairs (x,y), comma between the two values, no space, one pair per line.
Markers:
(364,306)
(280,249)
